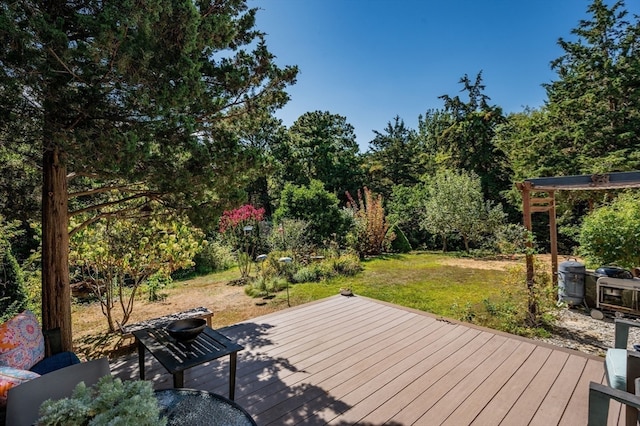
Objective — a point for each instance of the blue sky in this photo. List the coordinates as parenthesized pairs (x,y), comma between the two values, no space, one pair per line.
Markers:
(370,60)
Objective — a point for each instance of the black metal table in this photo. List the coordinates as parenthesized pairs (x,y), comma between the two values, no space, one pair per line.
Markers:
(190,407)
(176,357)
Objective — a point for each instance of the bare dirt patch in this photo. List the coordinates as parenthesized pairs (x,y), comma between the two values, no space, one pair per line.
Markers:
(229,304)
(502,263)
(498,264)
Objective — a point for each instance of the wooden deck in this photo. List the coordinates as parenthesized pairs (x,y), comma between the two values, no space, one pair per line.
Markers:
(353,360)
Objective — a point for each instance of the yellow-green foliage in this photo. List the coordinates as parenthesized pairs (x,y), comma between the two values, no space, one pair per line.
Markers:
(508,311)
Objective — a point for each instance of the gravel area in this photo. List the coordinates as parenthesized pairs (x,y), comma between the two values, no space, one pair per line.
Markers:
(576,329)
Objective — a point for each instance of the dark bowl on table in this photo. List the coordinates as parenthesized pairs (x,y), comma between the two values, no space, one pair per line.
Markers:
(186,330)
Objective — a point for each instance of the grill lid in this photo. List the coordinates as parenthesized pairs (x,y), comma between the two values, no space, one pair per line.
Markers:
(614,272)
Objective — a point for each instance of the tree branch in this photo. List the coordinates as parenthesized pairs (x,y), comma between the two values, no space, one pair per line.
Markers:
(111,203)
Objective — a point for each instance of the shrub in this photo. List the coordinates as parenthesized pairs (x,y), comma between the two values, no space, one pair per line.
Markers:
(456,206)
(118,255)
(13,295)
(509,311)
(369,235)
(400,244)
(110,402)
(346,264)
(610,234)
(511,239)
(156,282)
(240,228)
(263,286)
(291,236)
(214,256)
(314,205)
(308,274)
(405,209)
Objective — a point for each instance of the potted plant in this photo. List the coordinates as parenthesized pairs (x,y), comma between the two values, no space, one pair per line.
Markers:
(109,402)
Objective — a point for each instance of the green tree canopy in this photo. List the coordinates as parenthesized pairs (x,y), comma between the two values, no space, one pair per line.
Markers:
(116,256)
(393,158)
(594,105)
(322,146)
(134,102)
(468,143)
(455,206)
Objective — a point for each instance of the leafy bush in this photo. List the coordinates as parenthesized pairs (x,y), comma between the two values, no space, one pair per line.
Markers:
(13,296)
(214,256)
(308,274)
(155,283)
(405,209)
(456,205)
(118,255)
(400,244)
(345,264)
(610,234)
(511,239)
(263,286)
(274,275)
(240,228)
(314,205)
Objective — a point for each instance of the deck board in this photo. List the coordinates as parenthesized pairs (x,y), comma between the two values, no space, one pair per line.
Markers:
(353,360)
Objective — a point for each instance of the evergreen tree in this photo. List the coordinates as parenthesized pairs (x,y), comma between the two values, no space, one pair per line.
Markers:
(594,105)
(13,295)
(393,158)
(468,143)
(323,147)
(134,102)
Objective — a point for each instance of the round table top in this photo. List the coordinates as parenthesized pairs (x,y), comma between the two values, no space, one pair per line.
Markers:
(196,407)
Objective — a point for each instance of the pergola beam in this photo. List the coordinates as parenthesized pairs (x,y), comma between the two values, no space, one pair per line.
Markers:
(595,182)
(618,180)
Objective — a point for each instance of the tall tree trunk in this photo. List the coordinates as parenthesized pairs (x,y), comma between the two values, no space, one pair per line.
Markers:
(56,292)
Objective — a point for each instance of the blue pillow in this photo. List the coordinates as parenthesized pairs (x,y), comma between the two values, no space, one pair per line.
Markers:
(55,362)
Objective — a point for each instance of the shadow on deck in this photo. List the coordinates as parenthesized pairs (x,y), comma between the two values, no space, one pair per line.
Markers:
(353,360)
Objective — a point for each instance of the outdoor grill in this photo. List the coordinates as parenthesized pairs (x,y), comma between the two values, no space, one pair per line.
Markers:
(617,290)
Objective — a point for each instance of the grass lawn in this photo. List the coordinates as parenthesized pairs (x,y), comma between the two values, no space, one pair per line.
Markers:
(425,281)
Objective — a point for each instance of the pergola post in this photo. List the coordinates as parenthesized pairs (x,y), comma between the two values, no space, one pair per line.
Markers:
(553,230)
(525,188)
(533,205)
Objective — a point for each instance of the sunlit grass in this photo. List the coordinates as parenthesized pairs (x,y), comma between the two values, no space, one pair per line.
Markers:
(422,281)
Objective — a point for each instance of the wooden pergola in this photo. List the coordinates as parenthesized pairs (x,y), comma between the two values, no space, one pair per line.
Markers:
(533,204)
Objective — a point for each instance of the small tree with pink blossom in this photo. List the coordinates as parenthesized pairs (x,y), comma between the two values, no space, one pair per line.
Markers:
(240,228)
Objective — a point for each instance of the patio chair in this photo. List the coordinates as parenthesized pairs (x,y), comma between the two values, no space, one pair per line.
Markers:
(601,395)
(24,400)
(616,359)
(622,368)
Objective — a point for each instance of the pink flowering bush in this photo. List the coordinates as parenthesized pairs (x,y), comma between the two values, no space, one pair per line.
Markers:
(239,228)
(237,219)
